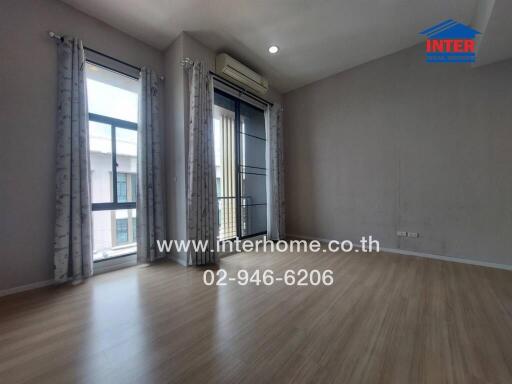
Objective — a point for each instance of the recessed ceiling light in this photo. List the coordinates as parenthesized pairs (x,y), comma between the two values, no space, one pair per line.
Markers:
(273,49)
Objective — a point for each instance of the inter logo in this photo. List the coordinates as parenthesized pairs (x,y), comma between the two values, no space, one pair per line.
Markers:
(450,42)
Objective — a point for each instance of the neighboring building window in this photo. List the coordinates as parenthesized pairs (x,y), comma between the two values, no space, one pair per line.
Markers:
(134,187)
(121,231)
(219,186)
(134,229)
(122,188)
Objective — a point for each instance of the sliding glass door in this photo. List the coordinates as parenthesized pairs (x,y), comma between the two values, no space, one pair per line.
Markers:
(253,171)
(239,133)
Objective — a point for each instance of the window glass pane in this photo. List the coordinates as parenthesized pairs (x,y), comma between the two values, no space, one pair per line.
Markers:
(133,196)
(252,153)
(113,234)
(252,137)
(121,231)
(224,102)
(224,145)
(253,186)
(225,165)
(122,193)
(253,219)
(112,94)
(100,147)
(126,157)
(252,120)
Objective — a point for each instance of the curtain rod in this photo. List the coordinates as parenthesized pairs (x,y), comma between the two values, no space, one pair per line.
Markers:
(59,37)
(186,61)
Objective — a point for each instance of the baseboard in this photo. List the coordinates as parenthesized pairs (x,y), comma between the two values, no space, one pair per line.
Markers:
(107,265)
(180,259)
(27,287)
(406,252)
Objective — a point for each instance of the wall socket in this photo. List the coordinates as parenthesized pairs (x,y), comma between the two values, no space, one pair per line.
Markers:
(407,234)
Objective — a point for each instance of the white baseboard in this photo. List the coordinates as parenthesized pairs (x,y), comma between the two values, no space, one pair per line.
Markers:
(27,287)
(406,252)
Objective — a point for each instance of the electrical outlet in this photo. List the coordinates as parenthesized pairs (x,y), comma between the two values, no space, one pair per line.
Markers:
(401,233)
(413,234)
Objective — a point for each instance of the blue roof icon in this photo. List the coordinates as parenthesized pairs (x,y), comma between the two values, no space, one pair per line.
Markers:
(450,29)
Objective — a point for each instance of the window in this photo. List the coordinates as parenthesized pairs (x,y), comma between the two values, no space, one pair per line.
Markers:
(126,187)
(133,188)
(122,193)
(113,113)
(121,231)
(240,161)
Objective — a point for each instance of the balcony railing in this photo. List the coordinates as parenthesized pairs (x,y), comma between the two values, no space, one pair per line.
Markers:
(227,217)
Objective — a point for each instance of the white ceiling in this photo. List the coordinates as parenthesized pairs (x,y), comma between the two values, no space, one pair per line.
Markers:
(317,38)
(496,41)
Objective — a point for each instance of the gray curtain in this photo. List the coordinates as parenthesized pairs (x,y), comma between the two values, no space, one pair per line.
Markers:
(73,242)
(201,193)
(275,174)
(150,207)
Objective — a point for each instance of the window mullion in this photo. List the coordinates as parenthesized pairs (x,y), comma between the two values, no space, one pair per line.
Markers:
(237,167)
(114,164)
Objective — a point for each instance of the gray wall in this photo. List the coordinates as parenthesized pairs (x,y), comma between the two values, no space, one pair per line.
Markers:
(175,143)
(177,133)
(28,85)
(398,144)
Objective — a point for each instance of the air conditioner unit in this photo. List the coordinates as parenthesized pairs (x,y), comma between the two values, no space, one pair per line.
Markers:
(235,71)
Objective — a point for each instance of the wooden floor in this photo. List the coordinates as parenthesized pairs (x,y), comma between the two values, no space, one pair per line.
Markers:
(387,319)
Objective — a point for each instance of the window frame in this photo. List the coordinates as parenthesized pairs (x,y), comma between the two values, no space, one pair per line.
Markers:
(114,123)
(112,64)
(115,204)
(239,168)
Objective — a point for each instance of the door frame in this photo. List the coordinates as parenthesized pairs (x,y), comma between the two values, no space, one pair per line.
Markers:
(238,179)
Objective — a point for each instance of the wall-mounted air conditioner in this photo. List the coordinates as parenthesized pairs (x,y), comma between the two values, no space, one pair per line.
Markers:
(235,71)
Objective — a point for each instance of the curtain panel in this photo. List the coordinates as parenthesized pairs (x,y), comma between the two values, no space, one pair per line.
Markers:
(150,204)
(73,239)
(201,193)
(275,174)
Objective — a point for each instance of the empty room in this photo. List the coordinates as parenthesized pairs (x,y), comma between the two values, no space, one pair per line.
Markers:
(235,191)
